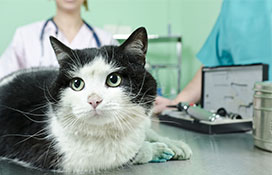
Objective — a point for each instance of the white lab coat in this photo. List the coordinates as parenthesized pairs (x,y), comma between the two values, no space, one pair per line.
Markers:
(25,50)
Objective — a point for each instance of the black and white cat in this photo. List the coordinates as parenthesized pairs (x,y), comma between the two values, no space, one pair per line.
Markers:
(91,114)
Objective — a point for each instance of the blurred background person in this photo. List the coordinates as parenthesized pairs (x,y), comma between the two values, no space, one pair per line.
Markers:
(31,47)
(242,35)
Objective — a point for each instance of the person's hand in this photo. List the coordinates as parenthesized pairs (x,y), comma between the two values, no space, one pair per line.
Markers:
(161,104)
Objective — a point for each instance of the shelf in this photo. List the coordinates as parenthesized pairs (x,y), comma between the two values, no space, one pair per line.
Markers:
(151,38)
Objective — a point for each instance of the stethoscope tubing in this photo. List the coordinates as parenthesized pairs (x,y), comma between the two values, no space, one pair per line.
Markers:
(98,43)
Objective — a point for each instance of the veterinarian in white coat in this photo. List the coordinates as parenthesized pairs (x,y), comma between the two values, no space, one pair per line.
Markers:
(31,47)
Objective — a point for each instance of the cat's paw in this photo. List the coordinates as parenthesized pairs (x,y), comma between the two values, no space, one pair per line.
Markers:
(153,152)
(181,150)
(161,152)
(144,155)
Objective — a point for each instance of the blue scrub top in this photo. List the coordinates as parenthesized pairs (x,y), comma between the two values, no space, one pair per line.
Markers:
(241,35)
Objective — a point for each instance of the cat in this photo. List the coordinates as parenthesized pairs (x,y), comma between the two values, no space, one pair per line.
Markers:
(90,114)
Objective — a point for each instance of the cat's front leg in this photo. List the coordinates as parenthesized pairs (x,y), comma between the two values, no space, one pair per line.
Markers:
(153,152)
(181,150)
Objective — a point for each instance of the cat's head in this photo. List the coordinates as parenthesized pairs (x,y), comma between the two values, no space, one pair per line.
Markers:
(106,85)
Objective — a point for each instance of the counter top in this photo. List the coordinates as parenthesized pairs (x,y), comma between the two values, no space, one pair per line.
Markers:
(224,154)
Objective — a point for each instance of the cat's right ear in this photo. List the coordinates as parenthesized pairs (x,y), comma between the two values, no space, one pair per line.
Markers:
(62,52)
(137,44)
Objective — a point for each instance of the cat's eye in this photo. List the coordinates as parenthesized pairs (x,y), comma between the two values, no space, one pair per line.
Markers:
(77,84)
(113,80)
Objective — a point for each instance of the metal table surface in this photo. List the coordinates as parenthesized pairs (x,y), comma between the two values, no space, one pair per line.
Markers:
(224,154)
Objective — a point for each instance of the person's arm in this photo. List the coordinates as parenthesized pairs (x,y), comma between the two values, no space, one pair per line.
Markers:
(191,94)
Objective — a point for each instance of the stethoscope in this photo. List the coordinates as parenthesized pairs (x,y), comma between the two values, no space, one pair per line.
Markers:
(98,43)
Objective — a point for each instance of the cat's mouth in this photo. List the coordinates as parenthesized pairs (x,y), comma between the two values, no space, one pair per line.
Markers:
(88,114)
(96,117)
(95,113)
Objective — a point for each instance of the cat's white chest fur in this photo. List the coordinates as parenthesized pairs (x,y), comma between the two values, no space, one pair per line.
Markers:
(93,153)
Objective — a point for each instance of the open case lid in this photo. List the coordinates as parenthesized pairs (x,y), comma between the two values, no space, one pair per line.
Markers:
(231,87)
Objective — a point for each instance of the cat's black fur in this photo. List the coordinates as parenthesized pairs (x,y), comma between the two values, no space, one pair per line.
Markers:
(24,99)
(22,115)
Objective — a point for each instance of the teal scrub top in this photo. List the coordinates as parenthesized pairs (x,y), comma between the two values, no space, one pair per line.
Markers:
(242,35)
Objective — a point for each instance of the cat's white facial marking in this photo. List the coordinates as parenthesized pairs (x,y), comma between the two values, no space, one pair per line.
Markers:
(97,103)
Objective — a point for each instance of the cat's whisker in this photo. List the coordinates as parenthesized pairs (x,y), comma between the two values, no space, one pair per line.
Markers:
(45,105)
(49,93)
(25,114)
(21,135)
(144,103)
(106,52)
(41,106)
(47,152)
(78,61)
(128,124)
(142,84)
(74,123)
(119,122)
(143,96)
(74,61)
(140,116)
(33,136)
(69,121)
(128,114)
(130,105)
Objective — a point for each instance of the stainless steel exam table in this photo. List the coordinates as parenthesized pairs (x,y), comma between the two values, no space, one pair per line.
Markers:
(224,154)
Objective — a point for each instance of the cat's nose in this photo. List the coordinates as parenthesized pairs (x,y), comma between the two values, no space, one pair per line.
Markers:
(94,100)
(95,103)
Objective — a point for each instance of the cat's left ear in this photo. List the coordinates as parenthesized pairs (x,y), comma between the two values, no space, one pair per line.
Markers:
(137,43)
(62,52)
